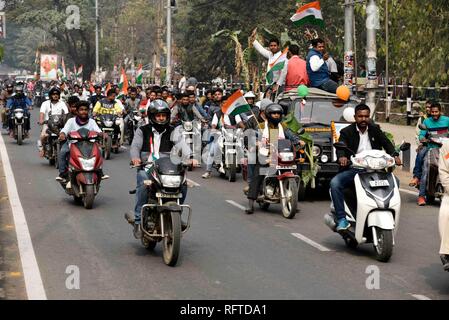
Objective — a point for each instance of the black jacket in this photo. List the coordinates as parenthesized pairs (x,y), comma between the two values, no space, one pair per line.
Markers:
(379,141)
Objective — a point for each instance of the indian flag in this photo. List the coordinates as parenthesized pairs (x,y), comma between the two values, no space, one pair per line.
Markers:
(64,71)
(236,104)
(80,71)
(275,68)
(308,14)
(139,77)
(123,84)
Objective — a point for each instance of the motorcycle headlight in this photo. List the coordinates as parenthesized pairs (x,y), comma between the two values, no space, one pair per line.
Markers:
(359,162)
(287,156)
(379,163)
(87,164)
(316,151)
(137,118)
(19,115)
(55,119)
(188,126)
(171,181)
(108,123)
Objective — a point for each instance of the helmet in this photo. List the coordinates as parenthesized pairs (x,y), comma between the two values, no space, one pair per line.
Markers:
(53,91)
(18,87)
(157,107)
(264,104)
(274,108)
(250,95)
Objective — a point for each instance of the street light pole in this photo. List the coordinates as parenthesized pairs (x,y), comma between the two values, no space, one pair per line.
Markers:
(372,24)
(349,43)
(169,47)
(97,46)
(387,61)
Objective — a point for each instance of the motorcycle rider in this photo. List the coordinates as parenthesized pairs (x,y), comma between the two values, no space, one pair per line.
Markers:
(53,106)
(109,105)
(19,101)
(360,136)
(444,210)
(184,111)
(193,102)
(133,101)
(81,120)
(215,105)
(97,96)
(436,123)
(422,149)
(6,94)
(72,102)
(270,132)
(151,142)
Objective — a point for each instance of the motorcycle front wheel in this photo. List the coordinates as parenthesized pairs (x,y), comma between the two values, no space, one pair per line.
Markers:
(19,134)
(89,196)
(384,249)
(290,204)
(172,239)
(232,172)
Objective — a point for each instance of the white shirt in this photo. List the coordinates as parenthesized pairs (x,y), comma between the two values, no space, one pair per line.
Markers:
(59,108)
(227,120)
(332,65)
(365,143)
(157,142)
(315,63)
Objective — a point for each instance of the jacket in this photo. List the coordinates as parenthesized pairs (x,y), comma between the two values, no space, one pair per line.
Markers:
(379,141)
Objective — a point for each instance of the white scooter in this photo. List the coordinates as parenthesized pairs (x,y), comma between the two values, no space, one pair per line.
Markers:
(374,207)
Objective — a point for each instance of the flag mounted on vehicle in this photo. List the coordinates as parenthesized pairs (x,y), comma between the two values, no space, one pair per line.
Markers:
(308,14)
(236,104)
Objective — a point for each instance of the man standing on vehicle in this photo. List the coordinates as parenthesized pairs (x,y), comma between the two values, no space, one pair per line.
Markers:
(358,137)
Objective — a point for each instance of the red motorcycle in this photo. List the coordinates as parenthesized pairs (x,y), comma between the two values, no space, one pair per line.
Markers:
(85,167)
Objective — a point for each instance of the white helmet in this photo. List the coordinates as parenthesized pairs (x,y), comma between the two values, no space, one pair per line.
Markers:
(250,95)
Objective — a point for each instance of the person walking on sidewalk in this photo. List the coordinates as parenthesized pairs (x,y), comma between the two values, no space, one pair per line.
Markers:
(444,210)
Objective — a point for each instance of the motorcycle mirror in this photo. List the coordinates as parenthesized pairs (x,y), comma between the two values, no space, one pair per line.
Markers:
(405,146)
(302,131)
(340,145)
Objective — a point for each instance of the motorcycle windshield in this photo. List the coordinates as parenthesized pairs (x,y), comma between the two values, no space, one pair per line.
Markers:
(165,166)
(86,148)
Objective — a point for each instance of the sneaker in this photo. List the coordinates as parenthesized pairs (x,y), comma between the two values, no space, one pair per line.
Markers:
(343,225)
(445,260)
(129,216)
(246,190)
(222,170)
(105,177)
(62,177)
(184,226)
(414,183)
(249,210)
(137,232)
(207,175)
(422,201)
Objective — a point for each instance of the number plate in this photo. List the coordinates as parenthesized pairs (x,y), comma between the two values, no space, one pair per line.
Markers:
(379,183)
(171,196)
(286,167)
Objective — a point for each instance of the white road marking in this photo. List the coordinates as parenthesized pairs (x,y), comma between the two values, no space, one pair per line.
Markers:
(33,281)
(235,204)
(193,183)
(420,297)
(409,192)
(311,242)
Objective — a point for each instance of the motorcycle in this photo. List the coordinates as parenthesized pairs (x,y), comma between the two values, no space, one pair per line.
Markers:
(281,187)
(161,217)
(434,188)
(52,147)
(191,133)
(135,120)
(373,206)
(19,118)
(109,124)
(85,167)
(232,150)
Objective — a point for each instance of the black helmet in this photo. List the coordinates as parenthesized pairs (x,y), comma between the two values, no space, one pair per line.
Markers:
(271,109)
(157,107)
(54,90)
(19,87)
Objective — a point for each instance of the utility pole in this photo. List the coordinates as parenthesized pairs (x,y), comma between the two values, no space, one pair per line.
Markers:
(169,44)
(387,66)
(97,45)
(372,24)
(349,43)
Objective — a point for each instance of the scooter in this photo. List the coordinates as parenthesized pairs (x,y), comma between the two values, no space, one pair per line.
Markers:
(85,167)
(373,206)
(232,150)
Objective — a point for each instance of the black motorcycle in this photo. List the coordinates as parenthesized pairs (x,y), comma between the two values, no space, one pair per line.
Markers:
(19,118)
(134,121)
(108,123)
(52,147)
(161,216)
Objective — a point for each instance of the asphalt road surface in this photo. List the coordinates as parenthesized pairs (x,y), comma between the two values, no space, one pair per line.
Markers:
(225,255)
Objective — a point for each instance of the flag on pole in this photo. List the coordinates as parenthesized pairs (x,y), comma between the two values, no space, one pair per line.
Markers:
(276,67)
(80,71)
(123,84)
(308,14)
(108,87)
(139,77)
(236,104)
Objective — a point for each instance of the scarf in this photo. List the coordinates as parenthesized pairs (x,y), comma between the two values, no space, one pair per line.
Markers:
(80,122)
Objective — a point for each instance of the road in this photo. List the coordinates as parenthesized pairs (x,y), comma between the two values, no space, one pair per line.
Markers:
(225,255)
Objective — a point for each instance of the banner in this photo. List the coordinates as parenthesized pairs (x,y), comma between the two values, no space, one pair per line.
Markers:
(49,67)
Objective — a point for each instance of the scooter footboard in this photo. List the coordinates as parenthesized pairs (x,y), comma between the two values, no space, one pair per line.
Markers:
(382,219)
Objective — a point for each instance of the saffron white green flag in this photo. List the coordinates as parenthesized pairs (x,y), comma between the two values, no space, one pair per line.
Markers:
(139,76)
(308,14)
(236,104)
(275,69)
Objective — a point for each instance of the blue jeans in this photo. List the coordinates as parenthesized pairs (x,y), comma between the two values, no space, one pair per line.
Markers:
(329,86)
(418,170)
(424,177)
(63,158)
(338,184)
(142,194)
